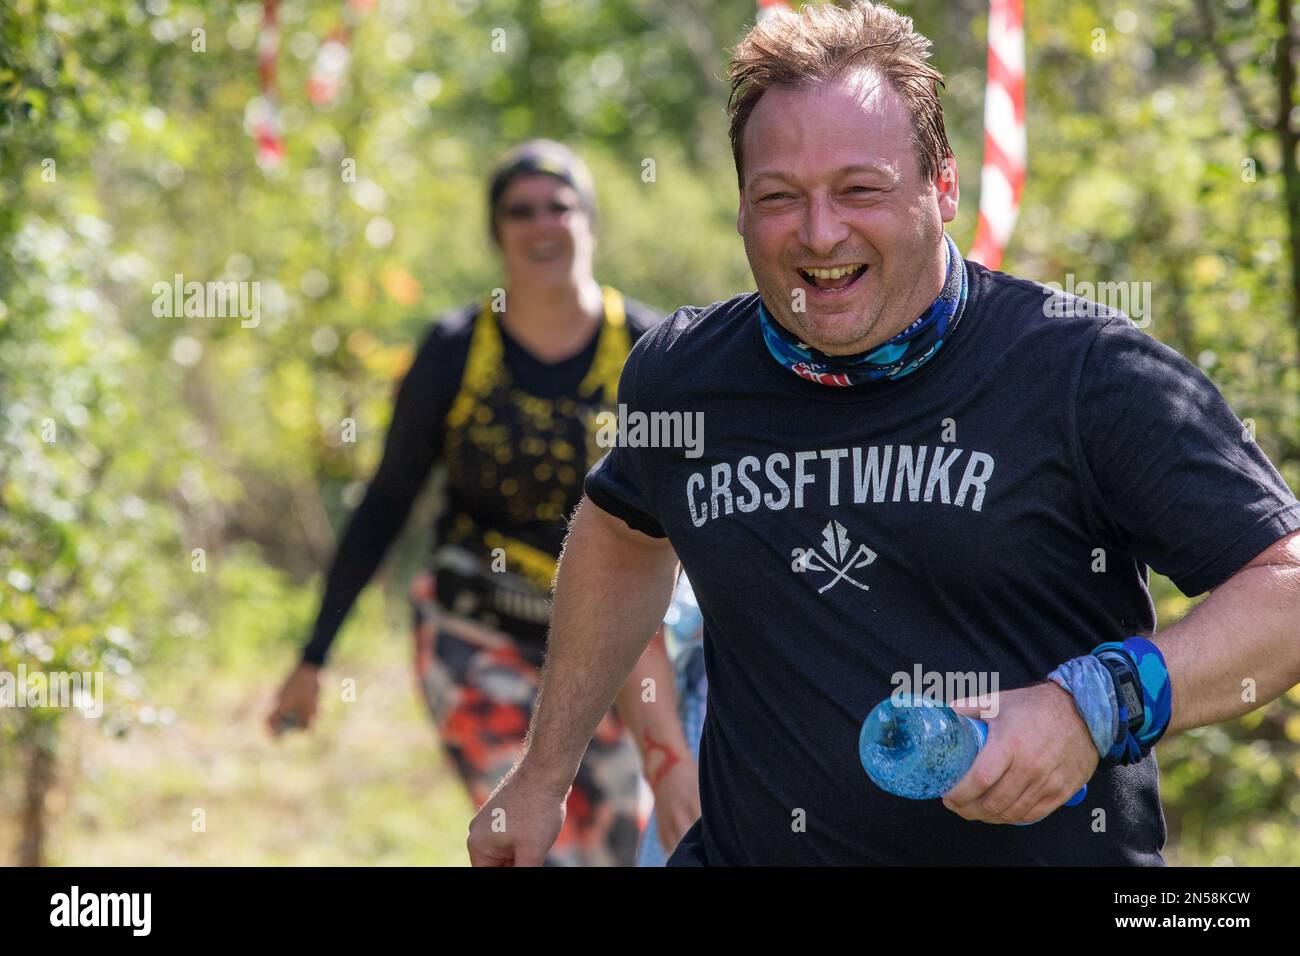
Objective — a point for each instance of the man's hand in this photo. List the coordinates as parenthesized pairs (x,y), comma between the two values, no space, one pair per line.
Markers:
(677,802)
(518,824)
(295,706)
(611,590)
(1039,753)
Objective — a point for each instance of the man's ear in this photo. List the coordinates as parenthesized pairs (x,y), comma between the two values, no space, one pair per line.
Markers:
(947,186)
(740,213)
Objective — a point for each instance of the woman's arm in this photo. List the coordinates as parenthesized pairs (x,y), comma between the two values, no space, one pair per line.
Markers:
(412,446)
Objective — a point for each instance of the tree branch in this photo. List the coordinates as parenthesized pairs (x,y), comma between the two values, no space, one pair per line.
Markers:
(1232,77)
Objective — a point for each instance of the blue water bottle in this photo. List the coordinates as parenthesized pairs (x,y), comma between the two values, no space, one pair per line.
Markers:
(919,749)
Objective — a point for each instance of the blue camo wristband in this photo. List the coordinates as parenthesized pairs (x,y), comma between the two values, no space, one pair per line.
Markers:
(1146,662)
(1106,686)
(1087,680)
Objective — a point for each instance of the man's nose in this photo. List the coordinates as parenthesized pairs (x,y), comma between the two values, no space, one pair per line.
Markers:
(823,227)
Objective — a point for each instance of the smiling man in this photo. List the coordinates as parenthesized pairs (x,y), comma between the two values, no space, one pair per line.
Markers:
(909,462)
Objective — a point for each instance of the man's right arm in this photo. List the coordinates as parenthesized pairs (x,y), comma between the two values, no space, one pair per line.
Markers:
(612,588)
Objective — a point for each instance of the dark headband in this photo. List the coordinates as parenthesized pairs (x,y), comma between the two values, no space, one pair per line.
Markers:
(541,156)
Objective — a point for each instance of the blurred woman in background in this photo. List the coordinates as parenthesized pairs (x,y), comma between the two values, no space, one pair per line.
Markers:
(504,394)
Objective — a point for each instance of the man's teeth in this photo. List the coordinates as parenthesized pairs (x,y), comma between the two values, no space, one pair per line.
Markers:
(833,273)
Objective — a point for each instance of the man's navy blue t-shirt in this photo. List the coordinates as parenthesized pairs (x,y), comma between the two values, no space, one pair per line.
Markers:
(1009,495)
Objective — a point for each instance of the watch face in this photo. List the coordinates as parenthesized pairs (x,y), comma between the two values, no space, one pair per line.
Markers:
(1132,700)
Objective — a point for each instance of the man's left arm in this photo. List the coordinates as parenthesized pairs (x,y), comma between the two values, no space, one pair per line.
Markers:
(1153,431)
(1240,647)
(1237,650)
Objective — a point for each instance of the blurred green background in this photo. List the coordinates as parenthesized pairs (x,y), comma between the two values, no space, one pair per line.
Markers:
(1156,133)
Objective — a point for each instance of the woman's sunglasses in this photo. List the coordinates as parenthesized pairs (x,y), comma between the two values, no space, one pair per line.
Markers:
(527,212)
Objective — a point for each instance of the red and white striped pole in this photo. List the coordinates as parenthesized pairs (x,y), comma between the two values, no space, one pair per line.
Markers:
(327,74)
(266,124)
(331,64)
(1002,178)
(768,7)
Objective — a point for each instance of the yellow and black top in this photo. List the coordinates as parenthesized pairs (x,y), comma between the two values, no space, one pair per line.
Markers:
(516,436)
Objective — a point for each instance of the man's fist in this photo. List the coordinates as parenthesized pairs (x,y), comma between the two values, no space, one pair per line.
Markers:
(517,826)
(1039,753)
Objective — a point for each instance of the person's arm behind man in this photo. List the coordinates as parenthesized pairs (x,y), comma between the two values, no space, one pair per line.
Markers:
(666,759)
(612,588)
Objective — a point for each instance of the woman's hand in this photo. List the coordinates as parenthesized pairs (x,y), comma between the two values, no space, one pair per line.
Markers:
(295,707)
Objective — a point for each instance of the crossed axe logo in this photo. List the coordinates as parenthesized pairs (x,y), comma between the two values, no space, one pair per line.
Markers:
(835,541)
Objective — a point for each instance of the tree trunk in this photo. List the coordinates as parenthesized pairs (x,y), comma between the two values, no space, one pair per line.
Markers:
(39,751)
(1287,140)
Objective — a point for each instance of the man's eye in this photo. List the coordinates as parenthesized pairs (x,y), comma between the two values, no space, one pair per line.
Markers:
(775,196)
(863,189)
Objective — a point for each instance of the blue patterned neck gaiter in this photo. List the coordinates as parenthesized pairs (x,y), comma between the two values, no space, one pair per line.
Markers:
(902,355)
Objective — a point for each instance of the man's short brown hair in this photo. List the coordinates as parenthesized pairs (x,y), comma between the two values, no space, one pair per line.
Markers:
(821,43)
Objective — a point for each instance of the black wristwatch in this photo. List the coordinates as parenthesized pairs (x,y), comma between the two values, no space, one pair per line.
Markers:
(1128,690)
